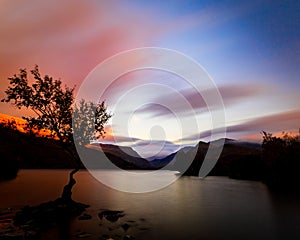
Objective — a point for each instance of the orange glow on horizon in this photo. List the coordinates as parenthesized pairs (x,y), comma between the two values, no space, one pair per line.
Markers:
(259,138)
(281,134)
(109,135)
(20,124)
(252,138)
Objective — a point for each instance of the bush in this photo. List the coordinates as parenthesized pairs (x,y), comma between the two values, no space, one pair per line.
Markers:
(282,161)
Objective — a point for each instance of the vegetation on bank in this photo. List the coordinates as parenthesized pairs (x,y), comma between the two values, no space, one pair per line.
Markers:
(281,156)
(8,166)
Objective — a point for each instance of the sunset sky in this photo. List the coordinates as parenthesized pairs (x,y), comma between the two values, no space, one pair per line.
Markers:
(251,49)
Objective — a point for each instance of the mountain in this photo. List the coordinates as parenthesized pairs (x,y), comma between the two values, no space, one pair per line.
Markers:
(252,145)
(19,150)
(30,152)
(162,162)
(223,140)
(121,156)
(238,159)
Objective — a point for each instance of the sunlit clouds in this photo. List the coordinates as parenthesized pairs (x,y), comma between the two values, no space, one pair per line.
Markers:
(250,50)
(67,39)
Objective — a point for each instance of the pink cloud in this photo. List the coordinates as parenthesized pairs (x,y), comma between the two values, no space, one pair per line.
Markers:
(67,39)
(278,122)
(231,94)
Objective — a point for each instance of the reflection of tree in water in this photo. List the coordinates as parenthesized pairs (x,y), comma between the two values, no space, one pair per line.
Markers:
(66,197)
(67,192)
(37,220)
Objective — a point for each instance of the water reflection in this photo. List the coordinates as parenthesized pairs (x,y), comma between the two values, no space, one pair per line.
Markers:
(190,208)
(286,210)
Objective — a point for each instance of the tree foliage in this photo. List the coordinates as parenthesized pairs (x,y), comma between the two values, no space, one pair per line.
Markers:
(281,156)
(53,107)
(46,97)
(88,121)
(276,149)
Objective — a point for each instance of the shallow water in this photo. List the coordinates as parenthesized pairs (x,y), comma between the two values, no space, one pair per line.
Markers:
(190,208)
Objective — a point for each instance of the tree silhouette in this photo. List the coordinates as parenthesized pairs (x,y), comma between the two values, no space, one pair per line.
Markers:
(88,121)
(53,107)
(51,103)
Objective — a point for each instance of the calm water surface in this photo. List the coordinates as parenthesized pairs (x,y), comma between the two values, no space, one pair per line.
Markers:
(190,208)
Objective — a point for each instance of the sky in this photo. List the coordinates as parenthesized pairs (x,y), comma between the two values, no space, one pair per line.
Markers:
(251,51)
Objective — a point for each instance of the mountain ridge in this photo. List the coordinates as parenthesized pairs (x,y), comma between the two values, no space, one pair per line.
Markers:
(29,152)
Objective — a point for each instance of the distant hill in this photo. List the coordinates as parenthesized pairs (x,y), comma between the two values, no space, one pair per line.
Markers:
(162,162)
(32,152)
(123,157)
(20,150)
(250,145)
(238,159)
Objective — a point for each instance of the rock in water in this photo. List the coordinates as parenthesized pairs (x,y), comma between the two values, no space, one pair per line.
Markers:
(128,237)
(125,226)
(83,235)
(46,215)
(85,216)
(110,215)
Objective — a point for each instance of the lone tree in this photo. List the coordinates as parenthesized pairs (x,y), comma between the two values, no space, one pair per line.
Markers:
(53,107)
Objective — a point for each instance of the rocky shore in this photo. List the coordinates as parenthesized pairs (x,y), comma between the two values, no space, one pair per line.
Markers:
(36,222)
(33,223)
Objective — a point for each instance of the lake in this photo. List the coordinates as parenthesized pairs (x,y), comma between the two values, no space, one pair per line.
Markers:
(189,208)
